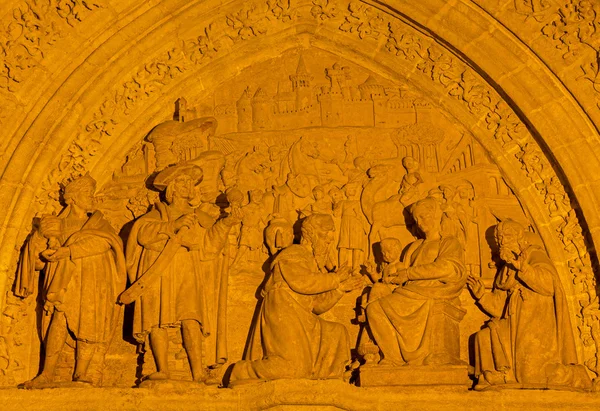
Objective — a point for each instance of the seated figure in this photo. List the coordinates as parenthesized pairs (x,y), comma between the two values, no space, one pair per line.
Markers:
(289,339)
(529,340)
(417,324)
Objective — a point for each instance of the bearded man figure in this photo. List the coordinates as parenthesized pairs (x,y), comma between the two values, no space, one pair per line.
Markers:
(289,339)
(169,254)
(84,265)
(528,342)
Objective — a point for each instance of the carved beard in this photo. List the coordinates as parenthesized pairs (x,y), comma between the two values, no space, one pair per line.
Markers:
(320,251)
(509,252)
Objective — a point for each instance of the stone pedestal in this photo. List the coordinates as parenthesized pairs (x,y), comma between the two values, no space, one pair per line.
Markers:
(424,375)
(445,341)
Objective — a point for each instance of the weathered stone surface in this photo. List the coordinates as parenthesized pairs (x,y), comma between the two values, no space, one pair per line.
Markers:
(316,202)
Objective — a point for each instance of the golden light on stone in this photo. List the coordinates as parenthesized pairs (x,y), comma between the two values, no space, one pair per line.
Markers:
(305,204)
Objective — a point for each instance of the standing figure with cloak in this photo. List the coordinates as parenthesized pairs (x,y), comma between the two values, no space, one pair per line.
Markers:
(528,342)
(353,240)
(402,323)
(169,255)
(289,338)
(84,274)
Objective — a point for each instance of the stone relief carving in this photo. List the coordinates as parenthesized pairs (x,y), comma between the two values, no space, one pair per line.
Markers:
(298,166)
(511,350)
(36,25)
(334,213)
(171,253)
(84,272)
(572,26)
(299,288)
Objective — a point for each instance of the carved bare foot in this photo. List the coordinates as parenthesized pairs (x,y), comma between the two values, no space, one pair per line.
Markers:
(158,375)
(36,382)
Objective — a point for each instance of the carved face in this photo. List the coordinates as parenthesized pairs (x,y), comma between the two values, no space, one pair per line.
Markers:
(390,254)
(184,187)
(318,194)
(336,195)
(410,164)
(427,221)
(84,199)
(508,241)
(256,196)
(466,192)
(321,241)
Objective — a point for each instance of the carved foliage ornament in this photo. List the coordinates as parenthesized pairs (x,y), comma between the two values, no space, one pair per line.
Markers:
(34,26)
(573,26)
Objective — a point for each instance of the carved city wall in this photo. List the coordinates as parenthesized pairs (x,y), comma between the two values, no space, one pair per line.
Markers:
(498,105)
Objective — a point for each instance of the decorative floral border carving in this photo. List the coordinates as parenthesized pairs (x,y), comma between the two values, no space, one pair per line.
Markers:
(35,26)
(573,26)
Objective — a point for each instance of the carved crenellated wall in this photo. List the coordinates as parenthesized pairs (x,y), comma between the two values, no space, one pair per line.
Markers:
(82,83)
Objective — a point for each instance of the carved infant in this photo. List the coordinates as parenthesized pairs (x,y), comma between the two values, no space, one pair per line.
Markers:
(402,322)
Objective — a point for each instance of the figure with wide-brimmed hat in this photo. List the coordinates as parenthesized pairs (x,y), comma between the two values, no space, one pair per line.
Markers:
(168,257)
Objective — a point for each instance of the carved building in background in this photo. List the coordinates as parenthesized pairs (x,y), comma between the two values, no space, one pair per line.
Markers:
(312,195)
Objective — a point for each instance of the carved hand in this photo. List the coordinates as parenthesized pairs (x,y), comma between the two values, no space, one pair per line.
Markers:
(235,217)
(50,226)
(55,255)
(186,220)
(344,272)
(517,264)
(400,277)
(48,308)
(476,286)
(351,283)
(371,270)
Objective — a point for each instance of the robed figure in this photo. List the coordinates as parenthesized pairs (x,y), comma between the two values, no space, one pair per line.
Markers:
(172,259)
(528,341)
(432,272)
(84,266)
(289,338)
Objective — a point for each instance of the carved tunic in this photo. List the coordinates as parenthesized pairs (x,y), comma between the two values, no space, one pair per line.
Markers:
(353,234)
(185,290)
(401,321)
(289,340)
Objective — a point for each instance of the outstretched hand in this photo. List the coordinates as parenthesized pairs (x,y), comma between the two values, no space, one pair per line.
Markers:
(476,286)
(344,271)
(351,283)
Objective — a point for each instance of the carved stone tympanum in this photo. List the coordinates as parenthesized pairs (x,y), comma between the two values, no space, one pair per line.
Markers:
(315,202)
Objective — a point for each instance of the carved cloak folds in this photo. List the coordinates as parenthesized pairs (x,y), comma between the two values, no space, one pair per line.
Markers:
(193,287)
(401,322)
(289,340)
(529,337)
(87,284)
